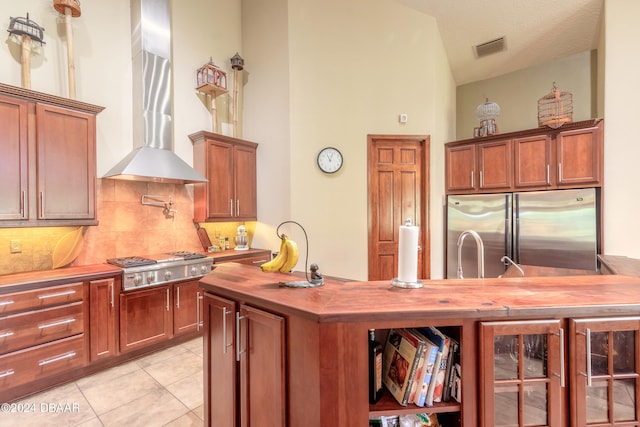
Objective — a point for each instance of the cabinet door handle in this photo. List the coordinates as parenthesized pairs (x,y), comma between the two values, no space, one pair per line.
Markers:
(225,345)
(57,294)
(562,356)
(58,323)
(6,334)
(113,301)
(548,174)
(481,180)
(23,204)
(199,298)
(239,351)
(230,207)
(167,296)
(7,373)
(237,207)
(559,172)
(68,355)
(42,204)
(177,296)
(472,180)
(7,302)
(588,343)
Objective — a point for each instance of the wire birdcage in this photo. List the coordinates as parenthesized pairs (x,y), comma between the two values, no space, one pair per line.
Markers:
(555,108)
(26,27)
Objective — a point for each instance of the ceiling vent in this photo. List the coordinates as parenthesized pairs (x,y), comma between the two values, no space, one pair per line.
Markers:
(487,48)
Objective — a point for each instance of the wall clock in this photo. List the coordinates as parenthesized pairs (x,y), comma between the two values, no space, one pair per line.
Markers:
(330,160)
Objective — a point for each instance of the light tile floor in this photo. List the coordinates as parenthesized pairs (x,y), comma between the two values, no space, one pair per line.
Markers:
(161,389)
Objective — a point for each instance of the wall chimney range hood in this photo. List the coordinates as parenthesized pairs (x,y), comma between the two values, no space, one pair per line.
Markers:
(152,159)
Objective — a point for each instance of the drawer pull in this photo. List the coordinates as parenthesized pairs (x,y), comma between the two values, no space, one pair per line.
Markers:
(58,323)
(68,355)
(7,373)
(3,303)
(6,334)
(57,294)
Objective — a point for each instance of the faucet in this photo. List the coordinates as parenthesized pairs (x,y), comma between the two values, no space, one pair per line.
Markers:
(506,260)
(480,246)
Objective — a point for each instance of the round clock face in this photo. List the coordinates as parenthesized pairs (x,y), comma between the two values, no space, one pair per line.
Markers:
(329,160)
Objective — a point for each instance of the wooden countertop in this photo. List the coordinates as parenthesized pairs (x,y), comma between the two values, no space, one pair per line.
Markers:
(35,279)
(339,301)
(231,254)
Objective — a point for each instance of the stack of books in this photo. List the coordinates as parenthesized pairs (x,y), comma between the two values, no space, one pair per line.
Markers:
(420,365)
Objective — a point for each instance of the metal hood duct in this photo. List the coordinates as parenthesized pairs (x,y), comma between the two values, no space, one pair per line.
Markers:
(153,160)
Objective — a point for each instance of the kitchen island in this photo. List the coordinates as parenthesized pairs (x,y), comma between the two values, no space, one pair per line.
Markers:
(298,356)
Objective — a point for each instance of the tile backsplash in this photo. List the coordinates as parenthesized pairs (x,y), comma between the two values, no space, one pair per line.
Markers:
(126,228)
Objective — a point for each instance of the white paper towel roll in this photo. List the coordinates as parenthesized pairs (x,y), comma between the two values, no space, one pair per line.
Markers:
(408,254)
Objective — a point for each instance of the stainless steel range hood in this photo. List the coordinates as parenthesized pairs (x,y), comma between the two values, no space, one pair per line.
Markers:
(153,160)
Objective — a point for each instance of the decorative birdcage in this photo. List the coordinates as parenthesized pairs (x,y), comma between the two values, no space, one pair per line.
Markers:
(62,5)
(211,79)
(26,27)
(487,113)
(555,108)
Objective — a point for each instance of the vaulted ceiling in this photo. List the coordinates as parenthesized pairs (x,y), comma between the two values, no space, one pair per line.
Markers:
(535,32)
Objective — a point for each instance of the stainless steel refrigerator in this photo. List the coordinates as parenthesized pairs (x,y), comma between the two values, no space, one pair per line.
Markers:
(546,228)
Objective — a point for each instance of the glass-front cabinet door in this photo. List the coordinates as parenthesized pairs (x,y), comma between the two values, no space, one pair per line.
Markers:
(522,373)
(605,371)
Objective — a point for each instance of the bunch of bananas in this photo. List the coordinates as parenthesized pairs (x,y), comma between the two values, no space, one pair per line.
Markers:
(286,259)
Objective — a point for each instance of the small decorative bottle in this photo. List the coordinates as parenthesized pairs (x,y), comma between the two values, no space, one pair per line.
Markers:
(226,243)
(375,368)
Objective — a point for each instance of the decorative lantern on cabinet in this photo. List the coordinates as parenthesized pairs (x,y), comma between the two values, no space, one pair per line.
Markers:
(487,113)
(555,108)
(27,30)
(211,81)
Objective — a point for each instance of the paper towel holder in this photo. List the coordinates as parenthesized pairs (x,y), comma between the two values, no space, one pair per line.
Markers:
(402,283)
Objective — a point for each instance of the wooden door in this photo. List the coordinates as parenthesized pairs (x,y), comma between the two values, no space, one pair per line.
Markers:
(187,306)
(605,371)
(579,156)
(246,207)
(398,188)
(494,164)
(262,354)
(145,317)
(460,168)
(533,162)
(522,373)
(220,392)
(66,163)
(13,161)
(103,318)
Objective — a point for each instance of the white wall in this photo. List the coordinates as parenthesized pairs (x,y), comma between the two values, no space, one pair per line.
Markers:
(622,145)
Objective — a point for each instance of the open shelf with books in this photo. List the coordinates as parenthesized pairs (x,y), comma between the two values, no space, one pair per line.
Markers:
(413,383)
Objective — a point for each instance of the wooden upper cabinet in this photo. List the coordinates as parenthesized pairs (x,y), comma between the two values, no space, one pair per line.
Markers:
(580,155)
(48,159)
(13,161)
(533,162)
(494,167)
(66,163)
(534,159)
(230,166)
(461,167)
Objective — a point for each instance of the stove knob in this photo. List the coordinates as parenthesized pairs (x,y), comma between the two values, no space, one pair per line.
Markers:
(150,277)
(167,275)
(137,279)
(204,269)
(194,271)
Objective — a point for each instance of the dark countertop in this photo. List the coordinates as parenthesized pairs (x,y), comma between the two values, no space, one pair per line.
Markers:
(338,301)
(612,264)
(34,279)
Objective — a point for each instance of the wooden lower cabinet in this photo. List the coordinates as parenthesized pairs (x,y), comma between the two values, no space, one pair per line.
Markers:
(145,317)
(245,365)
(532,373)
(187,307)
(103,311)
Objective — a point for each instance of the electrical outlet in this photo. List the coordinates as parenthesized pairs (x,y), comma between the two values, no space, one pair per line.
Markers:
(16,246)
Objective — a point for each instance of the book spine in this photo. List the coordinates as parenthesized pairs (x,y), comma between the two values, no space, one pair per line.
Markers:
(442,370)
(432,384)
(412,372)
(431,360)
(453,351)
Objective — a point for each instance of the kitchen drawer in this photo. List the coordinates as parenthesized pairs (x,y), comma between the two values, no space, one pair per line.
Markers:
(32,328)
(44,297)
(35,363)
